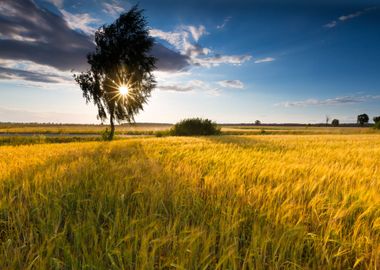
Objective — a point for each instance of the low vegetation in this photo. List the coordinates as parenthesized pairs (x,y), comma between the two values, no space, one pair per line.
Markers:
(227,202)
(195,126)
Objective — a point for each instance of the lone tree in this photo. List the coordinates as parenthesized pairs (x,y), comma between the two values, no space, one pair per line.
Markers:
(376,119)
(120,79)
(257,122)
(335,123)
(363,119)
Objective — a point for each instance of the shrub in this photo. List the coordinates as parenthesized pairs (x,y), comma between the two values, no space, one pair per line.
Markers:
(376,119)
(162,133)
(106,135)
(195,126)
(377,125)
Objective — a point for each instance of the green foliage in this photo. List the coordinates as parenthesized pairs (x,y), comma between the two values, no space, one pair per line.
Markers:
(122,58)
(162,133)
(362,119)
(195,126)
(335,123)
(376,119)
(377,125)
(106,135)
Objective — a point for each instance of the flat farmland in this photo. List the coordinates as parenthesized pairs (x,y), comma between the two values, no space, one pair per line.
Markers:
(223,202)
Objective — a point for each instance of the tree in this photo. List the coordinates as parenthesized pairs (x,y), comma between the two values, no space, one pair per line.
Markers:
(363,119)
(327,120)
(335,122)
(257,122)
(376,119)
(120,78)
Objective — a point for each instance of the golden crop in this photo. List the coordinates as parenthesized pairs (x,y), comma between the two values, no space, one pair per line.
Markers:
(228,202)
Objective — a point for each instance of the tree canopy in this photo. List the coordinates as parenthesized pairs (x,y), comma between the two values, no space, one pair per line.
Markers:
(363,119)
(120,79)
(335,122)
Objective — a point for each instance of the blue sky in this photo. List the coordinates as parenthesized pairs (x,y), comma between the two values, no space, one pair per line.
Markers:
(230,61)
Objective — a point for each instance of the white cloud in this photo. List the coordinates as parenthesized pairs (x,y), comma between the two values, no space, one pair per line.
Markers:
(198,55)
(231,84)
(80,22)
(115,9)
(217,60)
(197,32)
(190,86)
(41,76)
(176,88)
(331,24)
(347,17)
(264,60)
(350,16)
(57,3)
(225,21)
(173,38)
(330,101)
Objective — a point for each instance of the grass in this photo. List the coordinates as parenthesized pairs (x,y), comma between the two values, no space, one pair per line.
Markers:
(227,202)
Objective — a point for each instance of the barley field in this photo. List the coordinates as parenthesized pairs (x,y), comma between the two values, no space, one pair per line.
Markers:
(226,202)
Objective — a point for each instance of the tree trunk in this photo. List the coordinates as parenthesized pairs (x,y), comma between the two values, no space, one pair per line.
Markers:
(110,137)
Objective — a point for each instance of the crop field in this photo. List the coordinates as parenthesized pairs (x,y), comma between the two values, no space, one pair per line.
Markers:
(225,202)
(140,128)
(153,129)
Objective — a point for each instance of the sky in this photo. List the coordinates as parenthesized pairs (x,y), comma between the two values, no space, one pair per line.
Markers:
(230,61)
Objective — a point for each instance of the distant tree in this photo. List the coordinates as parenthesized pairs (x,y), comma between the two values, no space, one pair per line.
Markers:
(120,79)
(257,122)
(363,119)
(335,123)
(327,120)
(376,119)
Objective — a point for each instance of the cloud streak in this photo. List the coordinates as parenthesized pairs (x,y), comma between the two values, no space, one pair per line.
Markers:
(225,22)
(19,74)
(190,86)
(330,101)
(347,17)
(114,8)
(264,60)
(83,22)
(231,84)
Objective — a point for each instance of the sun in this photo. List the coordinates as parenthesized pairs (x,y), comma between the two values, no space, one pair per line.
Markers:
(123,90)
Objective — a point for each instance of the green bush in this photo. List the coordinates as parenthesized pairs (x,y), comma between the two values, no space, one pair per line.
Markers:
(377,125)
(195,126)
(106,135)
(162,133)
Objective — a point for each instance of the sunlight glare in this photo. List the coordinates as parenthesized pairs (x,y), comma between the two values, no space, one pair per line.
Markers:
(123,89)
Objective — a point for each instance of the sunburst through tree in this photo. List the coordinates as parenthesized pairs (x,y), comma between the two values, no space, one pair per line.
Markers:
(120,79)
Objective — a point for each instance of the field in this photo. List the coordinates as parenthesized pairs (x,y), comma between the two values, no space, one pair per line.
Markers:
(152,129)
(226,202)
(12,128)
